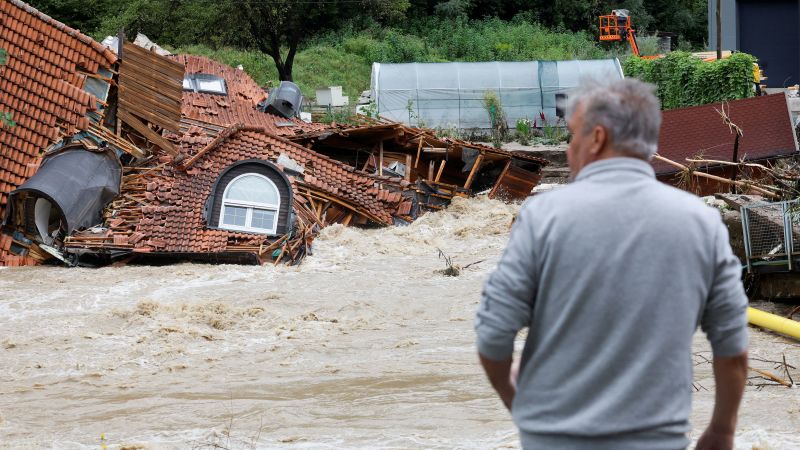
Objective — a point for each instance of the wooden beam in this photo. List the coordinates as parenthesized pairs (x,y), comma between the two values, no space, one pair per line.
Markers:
(408,168)
(431,168)
(499,179)
(698,173)
(419,151)
(439,173)
(149,134)
(211,145)
(380,159)
(437,150)
(474,170)
(347,219)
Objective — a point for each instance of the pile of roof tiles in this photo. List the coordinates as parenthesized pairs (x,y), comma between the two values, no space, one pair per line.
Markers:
(41,85)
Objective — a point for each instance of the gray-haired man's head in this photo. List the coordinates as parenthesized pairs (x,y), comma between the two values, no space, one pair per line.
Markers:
(607,119)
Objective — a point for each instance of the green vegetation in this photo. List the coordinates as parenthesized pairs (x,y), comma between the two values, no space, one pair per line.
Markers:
(497,117)
(437,40)
(344,58)
(316,66)
(334,42)
(524,131)
(6,118)
(684,80)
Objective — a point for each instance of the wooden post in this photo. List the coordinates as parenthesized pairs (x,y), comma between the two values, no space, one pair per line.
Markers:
(380,159)
(441,169)
(431,168)
(347,219)
(474,170)
(408,168)
(735,160)
(419,151)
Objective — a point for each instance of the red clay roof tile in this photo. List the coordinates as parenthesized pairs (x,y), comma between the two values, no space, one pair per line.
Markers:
(40,88)
(699,130)
(239,106)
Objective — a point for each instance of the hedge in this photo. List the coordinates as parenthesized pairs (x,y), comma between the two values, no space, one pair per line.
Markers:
(684,80)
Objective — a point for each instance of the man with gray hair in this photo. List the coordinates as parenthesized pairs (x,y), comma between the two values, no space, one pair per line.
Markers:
(611,275)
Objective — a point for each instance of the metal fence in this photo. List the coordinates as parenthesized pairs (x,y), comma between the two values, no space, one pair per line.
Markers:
(771,233)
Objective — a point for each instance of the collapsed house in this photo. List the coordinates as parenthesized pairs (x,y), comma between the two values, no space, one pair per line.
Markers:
(55,84)
(438,167)
(126,153)
(716,138)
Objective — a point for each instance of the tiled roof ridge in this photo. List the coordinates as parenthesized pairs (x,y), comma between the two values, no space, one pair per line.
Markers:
(98,47)
(231,130)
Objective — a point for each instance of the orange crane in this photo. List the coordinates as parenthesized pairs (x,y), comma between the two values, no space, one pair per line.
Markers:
(617,27)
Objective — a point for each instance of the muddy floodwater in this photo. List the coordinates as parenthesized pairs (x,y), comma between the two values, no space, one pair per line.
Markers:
(365,345)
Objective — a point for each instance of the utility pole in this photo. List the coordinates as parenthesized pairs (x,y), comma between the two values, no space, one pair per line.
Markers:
(719,29)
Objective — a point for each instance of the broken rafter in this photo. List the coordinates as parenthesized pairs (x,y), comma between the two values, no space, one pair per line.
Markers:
(135,123)
(307,190)
(228,132)
(475,168)
(116,141)
(760,189)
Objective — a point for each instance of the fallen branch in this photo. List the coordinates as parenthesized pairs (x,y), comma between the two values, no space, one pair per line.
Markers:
(743,184)
(771,377)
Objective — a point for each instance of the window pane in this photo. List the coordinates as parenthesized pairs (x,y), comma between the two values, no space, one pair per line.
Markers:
(253,188)
(213,86)
(235,215)
(263,218)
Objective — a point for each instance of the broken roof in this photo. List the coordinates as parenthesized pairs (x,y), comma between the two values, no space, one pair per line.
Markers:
(168,218)
(41,85)
(239,105)
(699,130)
(371,129)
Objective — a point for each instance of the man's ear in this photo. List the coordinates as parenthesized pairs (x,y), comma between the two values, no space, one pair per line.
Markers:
(598,140)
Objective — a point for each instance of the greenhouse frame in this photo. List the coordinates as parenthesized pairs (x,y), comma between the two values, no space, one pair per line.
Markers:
(451,95)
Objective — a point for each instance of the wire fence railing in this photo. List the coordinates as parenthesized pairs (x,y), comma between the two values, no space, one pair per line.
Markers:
(771,233)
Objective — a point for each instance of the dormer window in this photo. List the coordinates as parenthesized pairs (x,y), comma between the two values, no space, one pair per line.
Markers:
(205,83)
(250,203)
(252,196)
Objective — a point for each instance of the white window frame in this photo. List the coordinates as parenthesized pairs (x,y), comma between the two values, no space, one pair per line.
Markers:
(250,207)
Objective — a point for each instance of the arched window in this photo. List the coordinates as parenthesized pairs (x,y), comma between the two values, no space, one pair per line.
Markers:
(251,202)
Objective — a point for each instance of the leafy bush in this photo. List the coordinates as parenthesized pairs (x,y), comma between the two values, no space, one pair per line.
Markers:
(683,80)
(524,131)
(497,117)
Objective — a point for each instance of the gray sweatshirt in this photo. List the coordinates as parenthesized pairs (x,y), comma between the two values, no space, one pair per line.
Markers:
(612,274)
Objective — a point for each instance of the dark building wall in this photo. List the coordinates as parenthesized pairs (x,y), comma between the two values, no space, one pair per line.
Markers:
(767,29)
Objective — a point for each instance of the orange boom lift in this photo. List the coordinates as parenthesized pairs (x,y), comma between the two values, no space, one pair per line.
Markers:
(617,27)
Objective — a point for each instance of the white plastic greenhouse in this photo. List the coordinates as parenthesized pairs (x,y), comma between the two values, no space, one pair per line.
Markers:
(450,95)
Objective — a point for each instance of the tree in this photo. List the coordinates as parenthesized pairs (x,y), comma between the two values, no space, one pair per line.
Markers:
(84,15)
(278,27)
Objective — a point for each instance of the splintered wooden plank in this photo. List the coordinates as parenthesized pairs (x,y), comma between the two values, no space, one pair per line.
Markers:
(149,134)
(133,51)
(151,87)
(476,166)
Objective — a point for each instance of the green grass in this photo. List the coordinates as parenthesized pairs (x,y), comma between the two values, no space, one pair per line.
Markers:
(317,66)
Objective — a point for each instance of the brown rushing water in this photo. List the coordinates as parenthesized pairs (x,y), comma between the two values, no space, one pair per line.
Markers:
(364,345)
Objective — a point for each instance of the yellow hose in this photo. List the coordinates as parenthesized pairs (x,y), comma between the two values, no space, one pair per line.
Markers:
(772,322)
